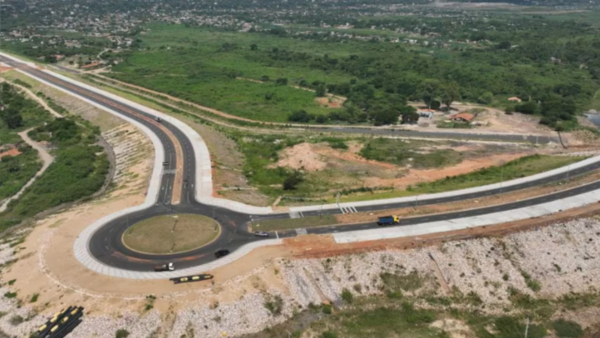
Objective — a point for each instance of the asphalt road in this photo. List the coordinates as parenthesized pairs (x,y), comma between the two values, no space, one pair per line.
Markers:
(106,244)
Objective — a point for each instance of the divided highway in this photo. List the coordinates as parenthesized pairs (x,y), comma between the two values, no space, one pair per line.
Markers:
(106,246)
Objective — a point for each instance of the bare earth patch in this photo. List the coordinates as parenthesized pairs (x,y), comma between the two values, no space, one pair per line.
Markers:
(330,102)
(10,152)
(171,234)
(348,167)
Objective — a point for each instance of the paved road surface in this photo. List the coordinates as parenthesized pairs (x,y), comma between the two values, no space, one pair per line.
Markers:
(106,245)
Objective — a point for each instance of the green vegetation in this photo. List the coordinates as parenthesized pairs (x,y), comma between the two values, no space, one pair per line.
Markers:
(10,295)
(19,114)
(274,304)
(80,169)
(34,298)
(406,321)
(12,281)
(533,284)
(402,152)
(567,329)
(122,333)
(15,171)
(293,223)
(399,315)
(347,296)
(525,166)
(395,284)
(376,77)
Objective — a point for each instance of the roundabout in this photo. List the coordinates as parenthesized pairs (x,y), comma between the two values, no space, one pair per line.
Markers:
(181,184)
(170,234)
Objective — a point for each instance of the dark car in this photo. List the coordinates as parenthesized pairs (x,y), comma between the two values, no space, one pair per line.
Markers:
(221,253)
(261,234)
(157,119)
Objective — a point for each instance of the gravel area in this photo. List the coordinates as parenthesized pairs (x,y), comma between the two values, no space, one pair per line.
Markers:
(561,258)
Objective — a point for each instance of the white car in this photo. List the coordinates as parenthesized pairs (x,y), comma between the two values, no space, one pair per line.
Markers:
(261,234)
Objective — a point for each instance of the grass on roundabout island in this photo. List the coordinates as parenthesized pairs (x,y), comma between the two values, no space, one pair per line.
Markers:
(171,234)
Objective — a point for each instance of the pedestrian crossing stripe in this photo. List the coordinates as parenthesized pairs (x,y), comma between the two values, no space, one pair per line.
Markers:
(348,210)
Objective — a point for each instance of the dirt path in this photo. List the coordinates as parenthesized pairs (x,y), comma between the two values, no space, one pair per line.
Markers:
(37,99)
(44,155)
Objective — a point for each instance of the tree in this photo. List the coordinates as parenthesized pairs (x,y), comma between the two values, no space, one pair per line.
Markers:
(292,181)
(300,116)
(504,45)
(450,93)
(264,78)
(409,114)
(50,59)
(528,107)
(253,46)
(12,118)
(486,98)
(282,81)
(385,116)
(429,91)
(320,91)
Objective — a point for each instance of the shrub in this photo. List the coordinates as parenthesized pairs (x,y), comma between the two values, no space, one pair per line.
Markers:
(292,181)
(300,116)
(274,305)
(16,320)
(567,329)
(327,309)
(347,296)
(10,295)
(34,298)
(122,333)
(329,334)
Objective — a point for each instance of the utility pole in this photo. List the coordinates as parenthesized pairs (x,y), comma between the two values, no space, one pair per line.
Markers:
(501,178)
(321,210)
(527,327)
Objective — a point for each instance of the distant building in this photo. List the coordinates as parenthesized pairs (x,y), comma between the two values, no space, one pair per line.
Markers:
(514,99)
(91,65)
(462,117)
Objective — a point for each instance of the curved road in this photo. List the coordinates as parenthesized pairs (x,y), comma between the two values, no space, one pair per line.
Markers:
(106,245)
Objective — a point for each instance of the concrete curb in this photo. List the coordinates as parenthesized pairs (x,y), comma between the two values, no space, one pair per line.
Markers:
(470,222)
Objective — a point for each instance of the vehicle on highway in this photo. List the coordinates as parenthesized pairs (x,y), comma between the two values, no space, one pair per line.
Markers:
(221,253)
(261,234)
(158,119)
(165,267)
(388,220)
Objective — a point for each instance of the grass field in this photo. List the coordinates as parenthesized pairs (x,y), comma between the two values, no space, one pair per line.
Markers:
(171,234)
(401,152)
(205,72)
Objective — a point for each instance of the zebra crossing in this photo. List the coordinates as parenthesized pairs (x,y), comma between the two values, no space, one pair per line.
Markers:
(347,210)
(301,231)
(296,214)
